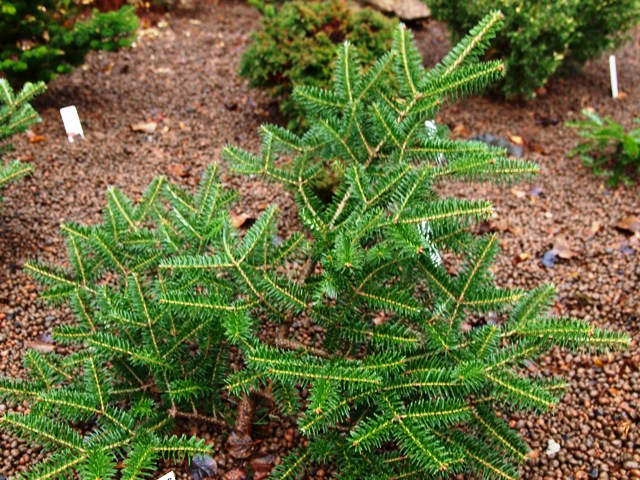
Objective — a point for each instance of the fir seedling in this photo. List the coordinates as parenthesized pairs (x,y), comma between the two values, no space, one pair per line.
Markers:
(423,356)
(145,359)
(16,116)
(608,148)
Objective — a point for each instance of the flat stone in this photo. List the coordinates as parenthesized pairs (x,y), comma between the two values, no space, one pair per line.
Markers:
(404,9)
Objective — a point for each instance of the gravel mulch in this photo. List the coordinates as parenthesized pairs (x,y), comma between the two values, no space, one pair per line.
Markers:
(182,75)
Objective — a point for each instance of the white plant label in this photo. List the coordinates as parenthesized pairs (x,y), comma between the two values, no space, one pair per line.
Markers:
(614,76)
(168,476)
(431,126)
(72,123)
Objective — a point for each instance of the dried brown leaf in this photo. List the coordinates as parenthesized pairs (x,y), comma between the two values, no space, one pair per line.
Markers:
(144,127)
(563,249)
(629,224)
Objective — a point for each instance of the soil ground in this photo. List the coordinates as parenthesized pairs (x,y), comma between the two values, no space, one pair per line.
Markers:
(182,75)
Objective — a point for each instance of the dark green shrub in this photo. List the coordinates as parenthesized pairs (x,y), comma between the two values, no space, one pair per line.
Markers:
(16,116)
(42,39)
(296,45)
(608,148)
(421,355)
(542,38)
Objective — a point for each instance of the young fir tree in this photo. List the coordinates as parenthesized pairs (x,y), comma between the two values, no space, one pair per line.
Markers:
(163,287)
(144,359)
(16,116)
(423,357)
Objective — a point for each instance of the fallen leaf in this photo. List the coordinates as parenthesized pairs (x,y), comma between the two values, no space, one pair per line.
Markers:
(539,149)
(239,445)
(179,170)
(625,426)
(516,192)
(241,220)
(520,258)
(517,231)
(494,225)
(380,319)
(517,139)
(595,228)
(203,466)
(460,130)
(629,224)
(144,127)
(563,249)
(36,139)
(500,225)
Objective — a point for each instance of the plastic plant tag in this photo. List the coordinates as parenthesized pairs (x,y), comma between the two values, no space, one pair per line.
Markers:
(432,132)
(431,127)
(168,476)
(72,123)
(614,76)
(426,232)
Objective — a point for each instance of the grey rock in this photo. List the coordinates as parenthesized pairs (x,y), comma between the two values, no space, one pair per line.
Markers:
(512,149)
(403,9)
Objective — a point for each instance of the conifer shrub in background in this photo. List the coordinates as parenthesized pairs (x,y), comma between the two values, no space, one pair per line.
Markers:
(541,38)
(16,116)
(296,45)
(42,39)
(608,148)
(422,356)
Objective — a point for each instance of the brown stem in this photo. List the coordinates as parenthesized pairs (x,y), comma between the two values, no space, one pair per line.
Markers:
(245,415)
(175,413)
(297,345)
